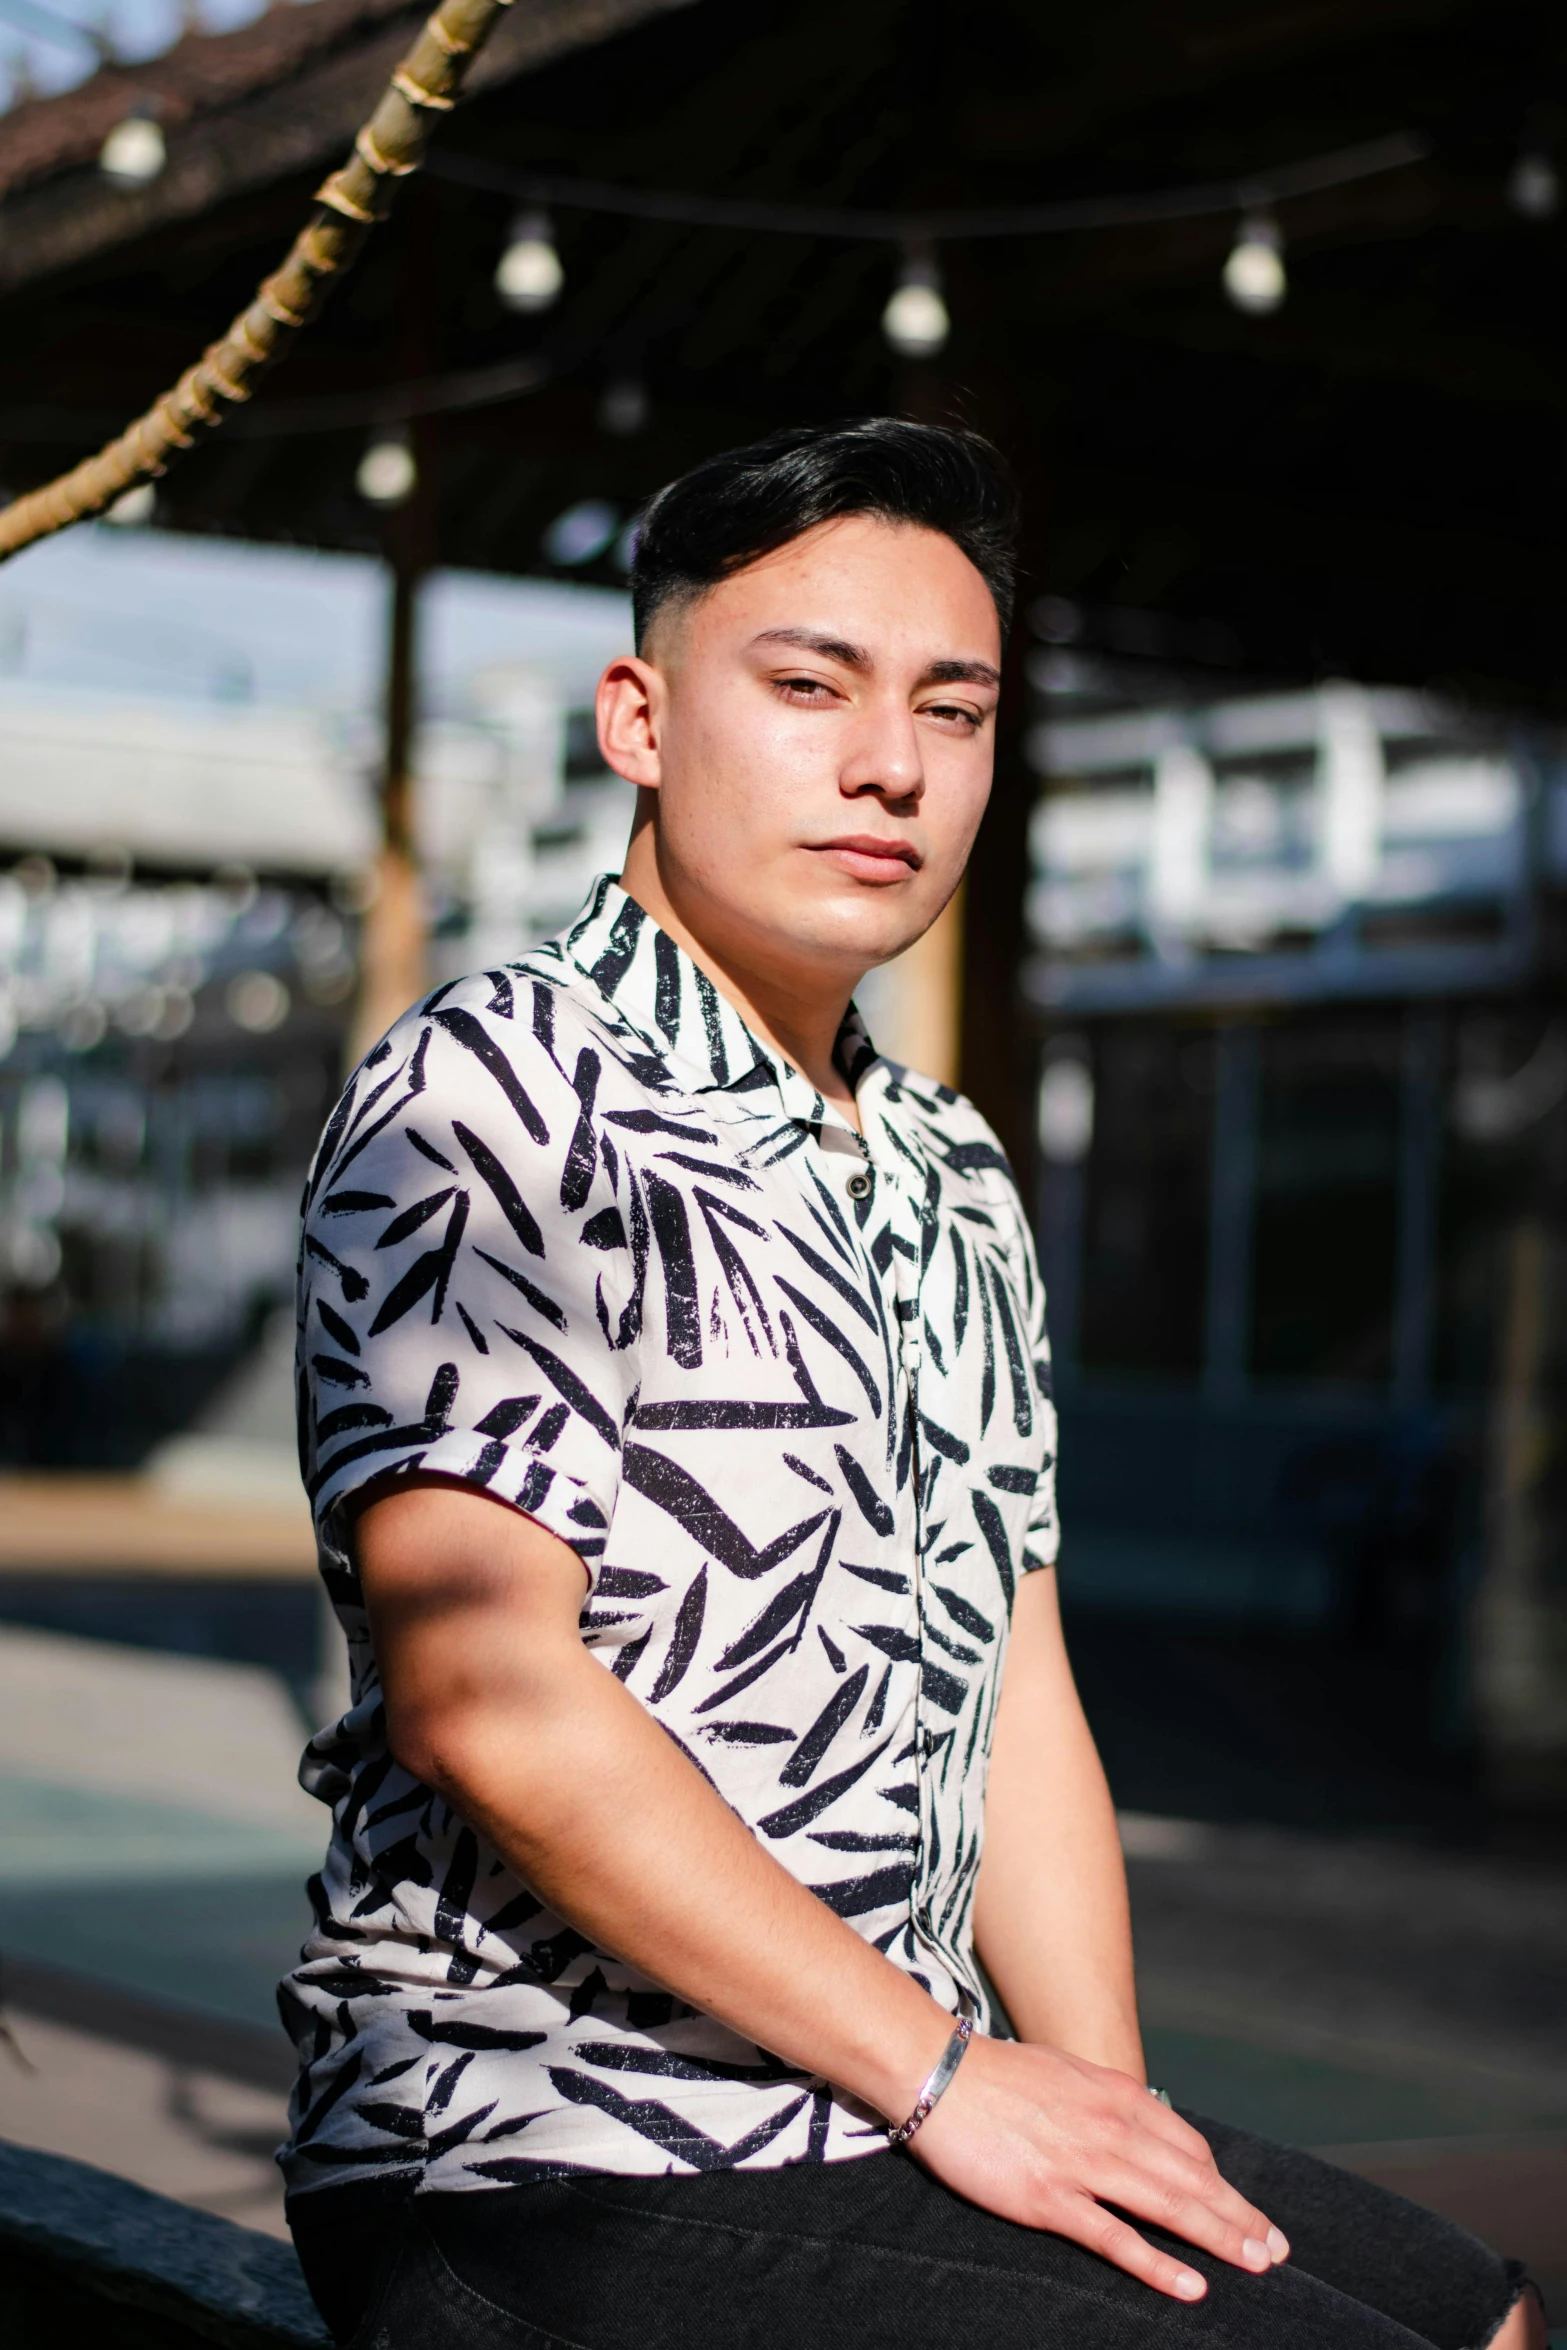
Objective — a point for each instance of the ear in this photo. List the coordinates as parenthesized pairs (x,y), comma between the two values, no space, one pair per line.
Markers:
(629,707)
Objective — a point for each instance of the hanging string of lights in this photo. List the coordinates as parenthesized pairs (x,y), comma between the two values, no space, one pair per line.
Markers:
(530,276)
(544,191)
(915,320)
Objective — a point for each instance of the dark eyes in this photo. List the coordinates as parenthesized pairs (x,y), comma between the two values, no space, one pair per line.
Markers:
(815,691)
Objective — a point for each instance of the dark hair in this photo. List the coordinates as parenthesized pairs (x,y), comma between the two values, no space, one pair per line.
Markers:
(731,510)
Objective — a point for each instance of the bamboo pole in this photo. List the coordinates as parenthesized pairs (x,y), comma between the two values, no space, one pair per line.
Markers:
(349,203)
(394,940)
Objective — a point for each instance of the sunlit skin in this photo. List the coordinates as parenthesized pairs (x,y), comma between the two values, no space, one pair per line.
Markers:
(812,741)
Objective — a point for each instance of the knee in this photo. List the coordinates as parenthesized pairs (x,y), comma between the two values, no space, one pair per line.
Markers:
(1524,2326)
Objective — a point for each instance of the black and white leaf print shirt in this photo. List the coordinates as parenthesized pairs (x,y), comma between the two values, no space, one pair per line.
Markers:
(574,1237)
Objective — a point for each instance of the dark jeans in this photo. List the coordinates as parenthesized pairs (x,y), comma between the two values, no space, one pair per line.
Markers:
(874,2255)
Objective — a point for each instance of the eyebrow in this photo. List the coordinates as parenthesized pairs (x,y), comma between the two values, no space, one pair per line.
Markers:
(961,673)
(835,648)
(809,640)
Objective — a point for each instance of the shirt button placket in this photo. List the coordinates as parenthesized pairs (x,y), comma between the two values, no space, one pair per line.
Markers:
(906,1275)
(905,1282)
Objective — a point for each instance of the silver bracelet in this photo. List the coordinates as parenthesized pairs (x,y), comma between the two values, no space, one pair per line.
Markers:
(1163,2095)
(937,2085)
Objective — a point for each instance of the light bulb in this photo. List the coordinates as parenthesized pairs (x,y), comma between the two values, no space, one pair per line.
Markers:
(1533,187)
(915,321)
(1254,276)
(134,153)
(623,408)
(387,473)
(1066,1111)
(134,506)
(582,532)
(529,275)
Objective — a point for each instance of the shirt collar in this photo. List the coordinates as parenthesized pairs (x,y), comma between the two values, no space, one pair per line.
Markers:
(654,984)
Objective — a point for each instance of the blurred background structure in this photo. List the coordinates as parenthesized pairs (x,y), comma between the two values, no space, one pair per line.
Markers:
(1258,972)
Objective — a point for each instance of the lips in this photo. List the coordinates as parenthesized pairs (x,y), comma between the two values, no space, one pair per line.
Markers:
(871,856)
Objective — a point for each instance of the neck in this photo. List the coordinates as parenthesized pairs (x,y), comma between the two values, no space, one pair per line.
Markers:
(795,1017)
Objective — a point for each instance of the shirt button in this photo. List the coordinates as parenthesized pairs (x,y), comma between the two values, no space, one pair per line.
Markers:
(859,1186)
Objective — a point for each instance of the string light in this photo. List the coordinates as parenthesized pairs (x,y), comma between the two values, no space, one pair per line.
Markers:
(915,321)
(1533,185)
(1073,215)
(624,407)
(529,275)
(387,474)
(136,507)
(134,153)
(1254,276)
(582,532)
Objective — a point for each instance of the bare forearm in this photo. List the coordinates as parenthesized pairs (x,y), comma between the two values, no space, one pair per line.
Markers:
(601,1813)
(1051,1916)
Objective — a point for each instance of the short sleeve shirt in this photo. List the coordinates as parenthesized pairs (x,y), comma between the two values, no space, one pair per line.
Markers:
(575,1238)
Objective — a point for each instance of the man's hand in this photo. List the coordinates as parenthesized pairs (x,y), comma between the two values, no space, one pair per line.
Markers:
(1054,2131)
(1051,2141)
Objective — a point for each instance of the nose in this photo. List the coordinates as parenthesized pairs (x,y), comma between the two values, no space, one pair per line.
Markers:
(882,757)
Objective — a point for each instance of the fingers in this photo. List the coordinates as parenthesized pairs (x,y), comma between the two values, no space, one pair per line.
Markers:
(1212,2214)
(1188,2195)
(1178,2187)
(1089,2224)
(1242,2242)
(1208,2211)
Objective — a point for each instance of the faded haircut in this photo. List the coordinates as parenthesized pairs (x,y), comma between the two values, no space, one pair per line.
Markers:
(731,510)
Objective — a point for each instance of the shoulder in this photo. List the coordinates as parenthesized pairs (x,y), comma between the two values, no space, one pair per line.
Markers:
(525,1008)
(530,1018)
(493,1051)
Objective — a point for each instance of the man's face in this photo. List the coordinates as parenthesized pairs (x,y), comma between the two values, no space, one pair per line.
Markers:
(819,732)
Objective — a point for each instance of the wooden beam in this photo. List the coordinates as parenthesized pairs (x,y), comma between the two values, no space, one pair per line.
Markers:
(62,220)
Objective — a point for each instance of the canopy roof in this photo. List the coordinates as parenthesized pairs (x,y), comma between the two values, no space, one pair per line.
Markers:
(1366,480)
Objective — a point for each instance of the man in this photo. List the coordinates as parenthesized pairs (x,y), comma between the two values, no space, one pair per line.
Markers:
(676,1411)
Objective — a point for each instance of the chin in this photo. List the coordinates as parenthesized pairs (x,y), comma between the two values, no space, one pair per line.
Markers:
(861,928)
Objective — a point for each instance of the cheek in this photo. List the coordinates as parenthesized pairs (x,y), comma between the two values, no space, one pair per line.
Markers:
(740,770)
(956,795)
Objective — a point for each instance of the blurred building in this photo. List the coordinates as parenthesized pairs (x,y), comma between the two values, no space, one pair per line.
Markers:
(184,865)
(1302,1124)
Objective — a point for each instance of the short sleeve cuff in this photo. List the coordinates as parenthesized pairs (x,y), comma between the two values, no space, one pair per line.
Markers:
(515,1473)
(1042,1543)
